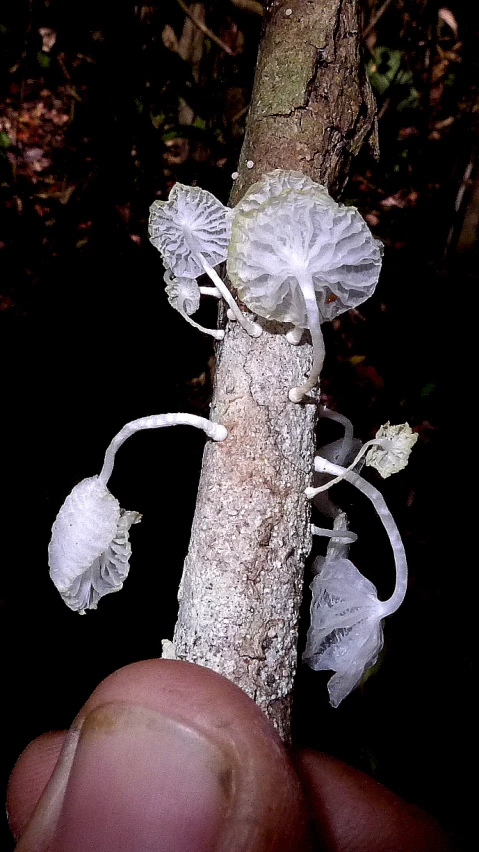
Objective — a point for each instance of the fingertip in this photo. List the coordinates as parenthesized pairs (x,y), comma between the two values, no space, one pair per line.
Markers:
(185,704)
(352,811)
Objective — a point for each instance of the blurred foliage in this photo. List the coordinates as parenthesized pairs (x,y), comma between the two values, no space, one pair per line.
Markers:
(102,112)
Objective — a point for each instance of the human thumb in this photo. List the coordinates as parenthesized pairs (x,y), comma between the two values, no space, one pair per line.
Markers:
(165,756)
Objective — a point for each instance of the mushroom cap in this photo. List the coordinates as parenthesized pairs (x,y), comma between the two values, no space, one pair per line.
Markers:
(295,233)
(271,185)
(89,549)
(394,456)
(190,223)
(183,293)
(346,633)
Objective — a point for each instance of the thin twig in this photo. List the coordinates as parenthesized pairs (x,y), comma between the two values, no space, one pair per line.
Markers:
(375,18)
(249,6)
(204,29)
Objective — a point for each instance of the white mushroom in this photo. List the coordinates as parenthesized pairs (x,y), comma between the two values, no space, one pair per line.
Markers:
(191,231)
(298,256)
(89,549)
(346,631)
(391,448)
(184,295)
(388,452)
(394,602)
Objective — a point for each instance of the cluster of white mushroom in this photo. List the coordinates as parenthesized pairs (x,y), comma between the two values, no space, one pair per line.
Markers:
(296,256)
(293,254)
(346,628)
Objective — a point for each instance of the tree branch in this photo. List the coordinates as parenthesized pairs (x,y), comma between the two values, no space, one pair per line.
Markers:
(242,584)
(204,29)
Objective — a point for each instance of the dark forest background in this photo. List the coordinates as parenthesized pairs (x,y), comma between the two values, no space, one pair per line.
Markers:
(103,106)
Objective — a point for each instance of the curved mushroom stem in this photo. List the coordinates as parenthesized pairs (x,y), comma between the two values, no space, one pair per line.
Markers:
(346,535)
(312,492)
(217,333)
(377,499)
(216,431)
(347,442)
(305,281)
(253,328)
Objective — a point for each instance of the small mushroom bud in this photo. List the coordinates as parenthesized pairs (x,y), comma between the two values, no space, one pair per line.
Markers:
(184,295)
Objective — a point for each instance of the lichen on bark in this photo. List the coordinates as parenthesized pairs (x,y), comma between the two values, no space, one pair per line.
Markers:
(243,577)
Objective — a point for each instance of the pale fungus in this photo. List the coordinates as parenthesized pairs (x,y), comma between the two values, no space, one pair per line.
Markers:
(297,256)
(191,231)
(89,550)
(346,632)
(184,295)
(388,452)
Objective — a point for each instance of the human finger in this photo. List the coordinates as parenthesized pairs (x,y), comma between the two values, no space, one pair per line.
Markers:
(164,755)
(353,813)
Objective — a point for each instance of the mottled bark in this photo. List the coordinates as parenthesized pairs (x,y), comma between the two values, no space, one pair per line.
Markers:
(243,577)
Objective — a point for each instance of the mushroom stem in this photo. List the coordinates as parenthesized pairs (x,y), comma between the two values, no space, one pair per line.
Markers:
(253,328)
(347,442)
(210,291)
(388,522)
(218,334)
(305,281)
(338,548)
(382,442)
(347,536)
(156,421)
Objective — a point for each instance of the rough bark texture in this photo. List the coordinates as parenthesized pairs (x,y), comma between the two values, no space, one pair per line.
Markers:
(243,577)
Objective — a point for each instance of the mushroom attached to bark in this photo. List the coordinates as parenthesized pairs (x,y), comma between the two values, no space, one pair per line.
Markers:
(346,631)
(297,256)
(184,295)
(191,231)
(388,452)
(89,550)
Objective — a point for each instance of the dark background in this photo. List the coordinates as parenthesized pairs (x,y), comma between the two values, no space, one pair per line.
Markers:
(103,107)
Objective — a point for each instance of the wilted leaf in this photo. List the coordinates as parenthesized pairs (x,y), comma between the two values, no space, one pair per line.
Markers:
(43,59)
(383,68)
(157,120)
(169,38)
(449,19)
(49,38)
(411,101)
(177,151)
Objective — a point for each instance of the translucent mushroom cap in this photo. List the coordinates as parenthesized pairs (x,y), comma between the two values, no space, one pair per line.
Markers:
(346,633)
(271,185)
(190,223)
(89,549)
(392,455)
(288,227)
(183,293)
